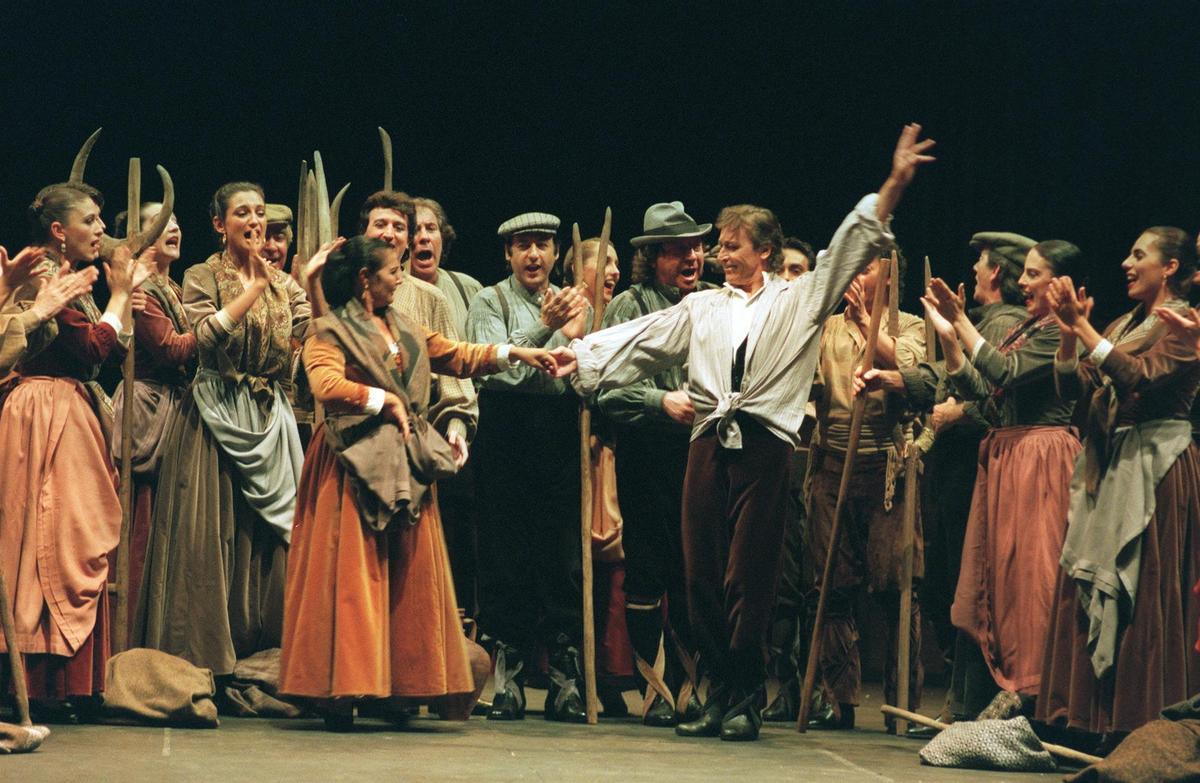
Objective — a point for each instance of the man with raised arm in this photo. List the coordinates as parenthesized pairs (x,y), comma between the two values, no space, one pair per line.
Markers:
(751,348)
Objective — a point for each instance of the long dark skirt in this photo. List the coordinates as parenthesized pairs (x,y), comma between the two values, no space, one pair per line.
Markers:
(1156,662)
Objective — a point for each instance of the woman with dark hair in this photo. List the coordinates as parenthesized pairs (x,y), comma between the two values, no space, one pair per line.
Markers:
(371,611)
(213,581)
(1018,512)
(164,364)
(1124,623)
(59,512)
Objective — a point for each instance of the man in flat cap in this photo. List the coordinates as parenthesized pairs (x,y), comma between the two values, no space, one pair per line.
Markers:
(951,448)
(651,421)
(278,236)
(751,350)
(527,480)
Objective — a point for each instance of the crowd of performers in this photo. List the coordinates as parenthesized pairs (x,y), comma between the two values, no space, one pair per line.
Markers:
(1060,497)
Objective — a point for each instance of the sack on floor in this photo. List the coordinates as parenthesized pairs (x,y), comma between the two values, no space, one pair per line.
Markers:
(153,687)
(989,744)
(1162,750)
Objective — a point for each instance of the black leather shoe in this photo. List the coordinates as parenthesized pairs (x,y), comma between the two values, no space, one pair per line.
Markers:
(918,732)
(786,707)
(828,719)
(564,697)
(692,711)
(742,722)
(709,722)
(661,714)
(508,704)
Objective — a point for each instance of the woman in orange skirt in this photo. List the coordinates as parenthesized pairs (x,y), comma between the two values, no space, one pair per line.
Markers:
(370,605)
(1018,512)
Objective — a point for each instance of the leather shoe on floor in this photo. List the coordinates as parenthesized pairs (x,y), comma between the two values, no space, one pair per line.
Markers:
(742,722)
(508,705)
(661,714)
(828,719)
(709,722)
(786,707)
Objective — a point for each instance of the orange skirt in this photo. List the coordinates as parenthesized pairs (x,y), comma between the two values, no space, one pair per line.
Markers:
(1010,553)
(367,614)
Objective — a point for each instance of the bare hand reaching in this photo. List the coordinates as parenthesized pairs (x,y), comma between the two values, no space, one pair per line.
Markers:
(678,407)
(538,358)
(16,271)
(910,154)
(1184,326)
(565,358)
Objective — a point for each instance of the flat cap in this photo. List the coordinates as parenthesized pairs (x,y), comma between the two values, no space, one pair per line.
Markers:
(1004,246)
(540,222)
(278,213)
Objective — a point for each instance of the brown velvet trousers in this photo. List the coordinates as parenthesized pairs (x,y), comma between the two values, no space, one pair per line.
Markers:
(734,508)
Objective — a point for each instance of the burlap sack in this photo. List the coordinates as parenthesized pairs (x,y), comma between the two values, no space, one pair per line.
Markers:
(153,687)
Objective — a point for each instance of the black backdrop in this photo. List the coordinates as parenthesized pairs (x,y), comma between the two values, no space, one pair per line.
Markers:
(1071,120)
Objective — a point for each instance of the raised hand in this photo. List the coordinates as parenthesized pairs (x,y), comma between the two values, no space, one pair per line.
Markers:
(63,288)
(1185,327)
(856,311)
(948,304)
(534,357)
(910,153)
(118,270)
(1070,308)
(941,325)
(565,358)
(312,269)
(17,270)
(577,326)
(558,309)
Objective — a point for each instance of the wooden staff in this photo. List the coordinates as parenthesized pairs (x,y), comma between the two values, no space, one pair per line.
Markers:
(856,419)
(385,140)
(124,548)
(1069,754)
(585,468)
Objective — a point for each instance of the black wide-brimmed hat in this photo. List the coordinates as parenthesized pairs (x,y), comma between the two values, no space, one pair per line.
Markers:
(664,222)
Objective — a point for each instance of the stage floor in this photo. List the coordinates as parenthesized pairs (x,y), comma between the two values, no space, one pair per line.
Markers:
(431,750)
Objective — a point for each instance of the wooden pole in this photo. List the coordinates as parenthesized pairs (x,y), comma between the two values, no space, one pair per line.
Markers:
(124,553)
(1069,754)
(385,141)
(587,488)
(856,419)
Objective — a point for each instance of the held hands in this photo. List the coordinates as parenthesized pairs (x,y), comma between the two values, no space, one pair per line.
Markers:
(538,358)
(1070,308)
(1185,327)
(395,412)
(559,308)
(60,290)
(678,407)
(565,358)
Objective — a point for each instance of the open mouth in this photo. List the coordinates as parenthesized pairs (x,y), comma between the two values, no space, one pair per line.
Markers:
(423,255)
(533,270)
(172,242)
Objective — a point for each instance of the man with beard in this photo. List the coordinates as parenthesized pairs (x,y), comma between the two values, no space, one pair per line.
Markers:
(951,447)
(278,236)
(752,349)
(527,475)
(651,420)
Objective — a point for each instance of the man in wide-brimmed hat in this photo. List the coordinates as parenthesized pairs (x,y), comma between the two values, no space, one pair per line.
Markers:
(751,350)
(527,480)
(651,422)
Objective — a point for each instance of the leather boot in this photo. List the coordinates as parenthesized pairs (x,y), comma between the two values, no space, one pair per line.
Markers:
(743,720)
(508,702)
(564,697)
(829,718)
(786,707)
(709,722)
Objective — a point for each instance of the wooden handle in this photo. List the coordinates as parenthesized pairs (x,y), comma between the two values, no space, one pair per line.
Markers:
(1070,754)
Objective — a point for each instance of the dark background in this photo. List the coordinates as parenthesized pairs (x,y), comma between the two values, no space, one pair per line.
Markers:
(1058,120)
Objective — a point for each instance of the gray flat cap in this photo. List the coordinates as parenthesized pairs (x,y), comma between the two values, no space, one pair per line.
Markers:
(278,213)
(539,222)
(1005,247)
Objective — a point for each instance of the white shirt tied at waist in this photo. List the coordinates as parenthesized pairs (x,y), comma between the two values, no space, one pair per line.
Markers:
(783,339)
